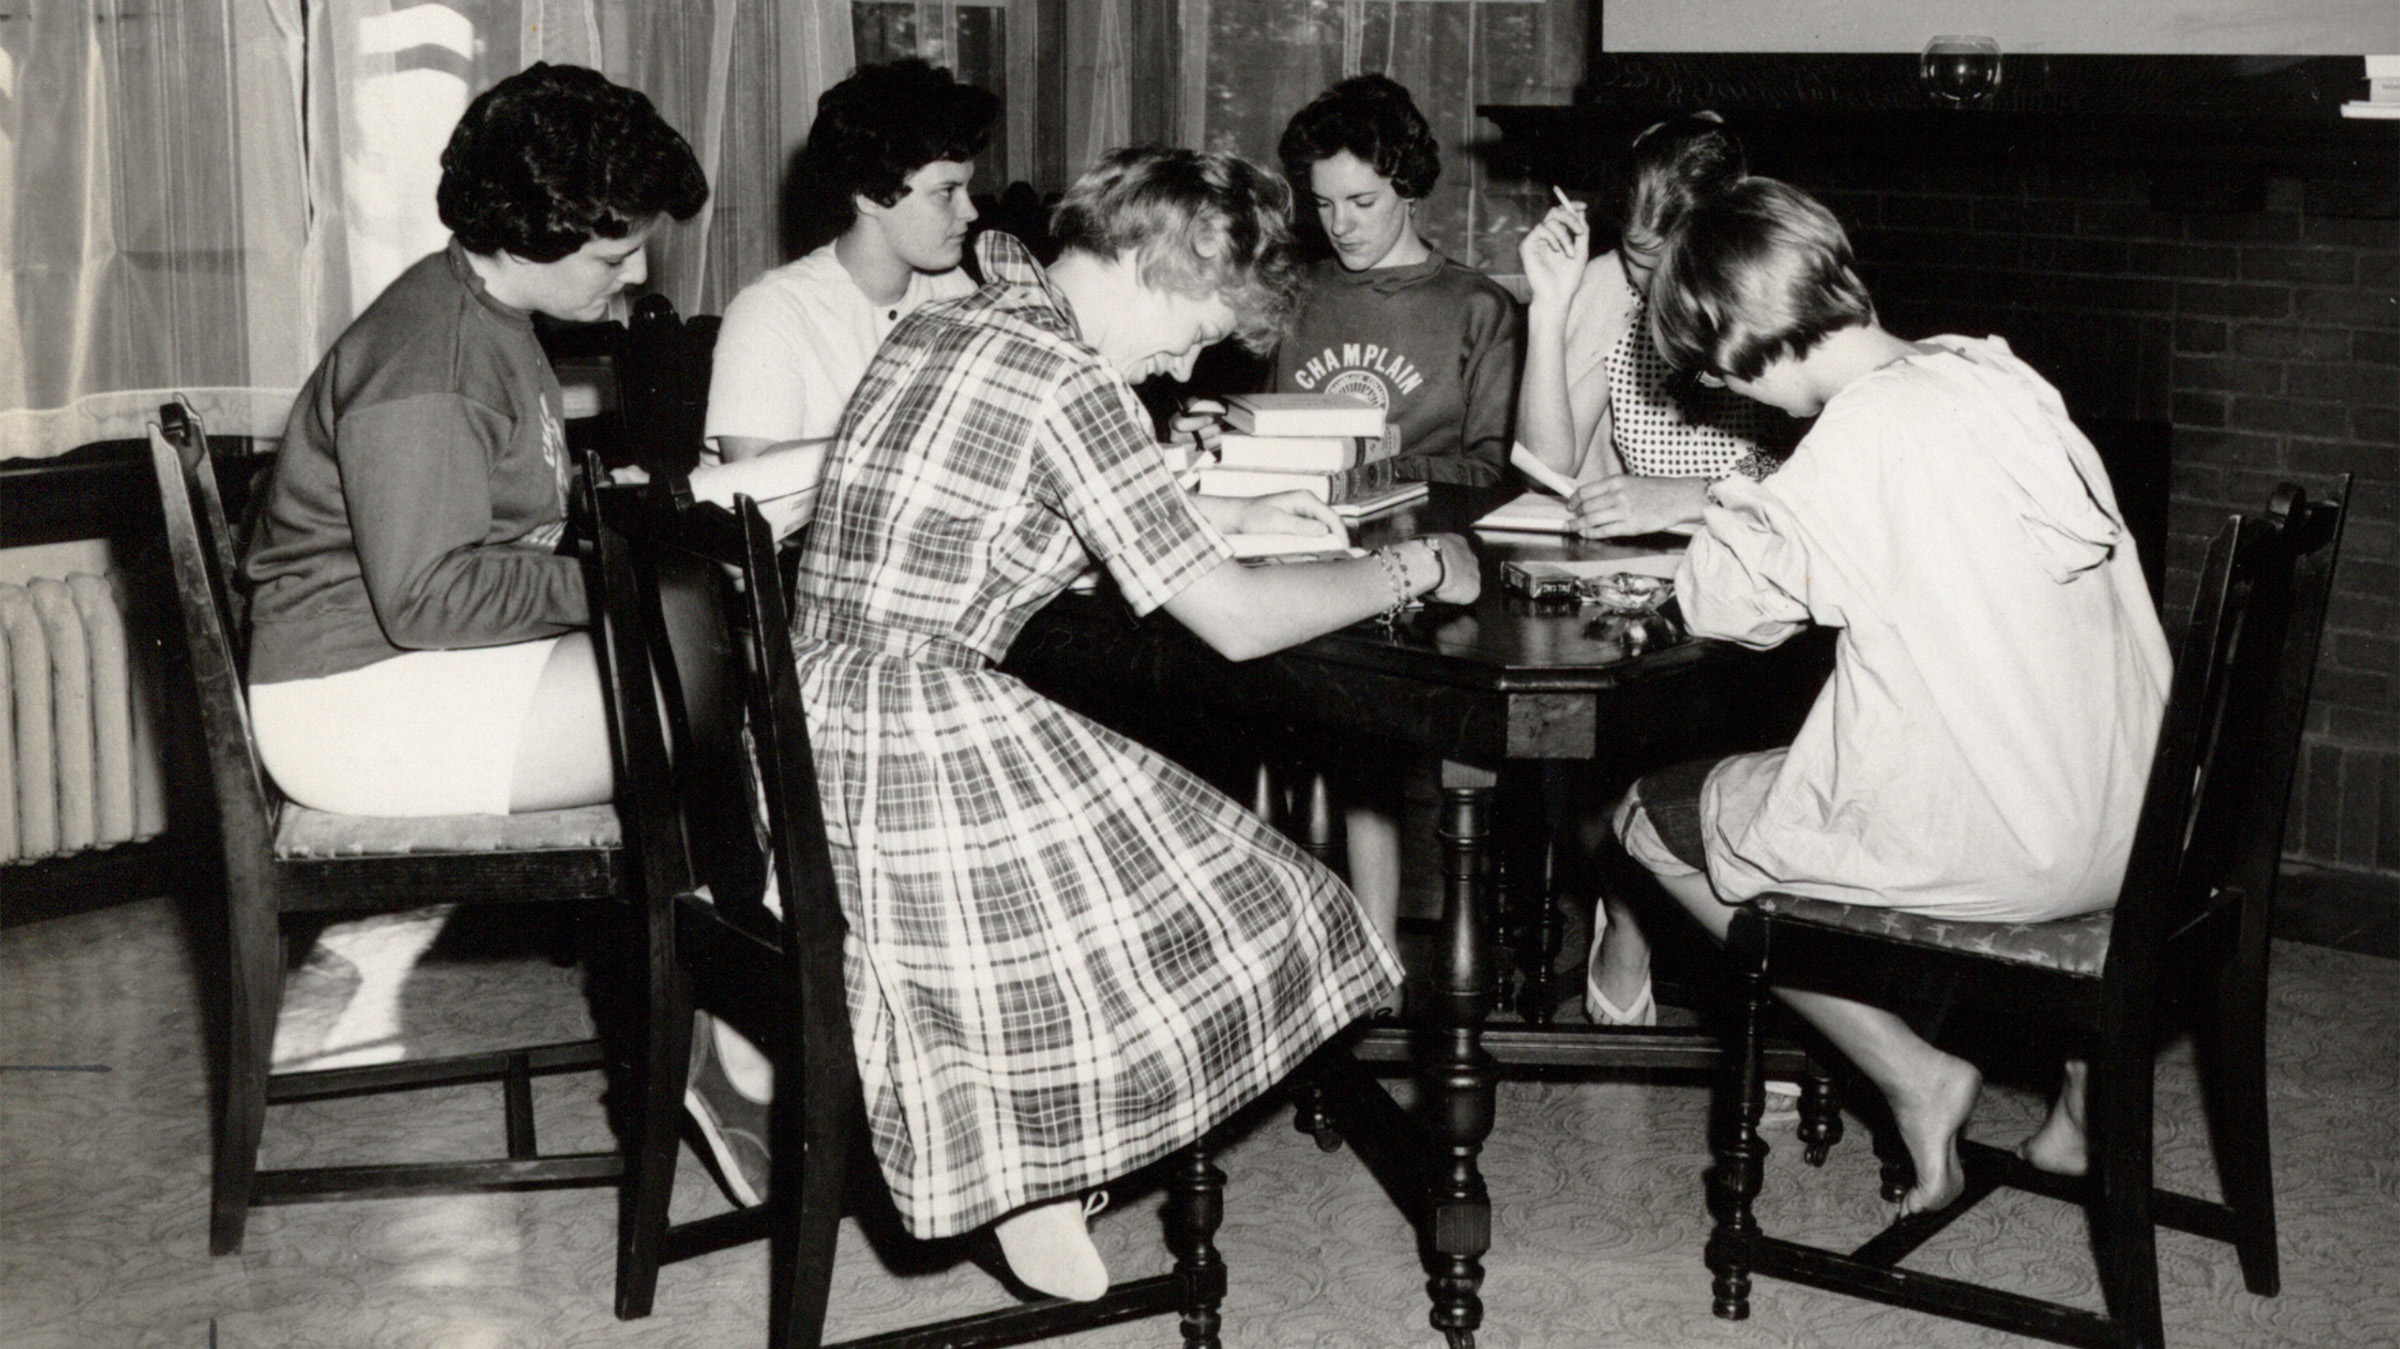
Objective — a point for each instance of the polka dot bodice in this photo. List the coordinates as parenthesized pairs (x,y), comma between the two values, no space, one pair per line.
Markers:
(1671,428)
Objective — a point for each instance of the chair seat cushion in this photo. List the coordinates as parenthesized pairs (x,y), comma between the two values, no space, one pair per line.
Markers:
(2075,945)
(304,833)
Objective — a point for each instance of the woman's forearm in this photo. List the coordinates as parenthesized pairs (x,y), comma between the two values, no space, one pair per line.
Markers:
(1245,612)
(1545,425)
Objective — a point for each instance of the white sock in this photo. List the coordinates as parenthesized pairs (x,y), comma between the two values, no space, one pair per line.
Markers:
(1049,1247)
(751,1073)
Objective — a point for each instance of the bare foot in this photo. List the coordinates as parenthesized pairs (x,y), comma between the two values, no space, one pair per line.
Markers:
(2060,1146)
(1930,1120)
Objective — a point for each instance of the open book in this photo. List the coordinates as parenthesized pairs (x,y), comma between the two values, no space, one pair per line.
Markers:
(1537,512)
(1532,513)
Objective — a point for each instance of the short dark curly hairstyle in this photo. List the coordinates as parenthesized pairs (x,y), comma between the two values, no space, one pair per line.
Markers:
(885,122)
(554,157)
(1372,117)
(1199,223)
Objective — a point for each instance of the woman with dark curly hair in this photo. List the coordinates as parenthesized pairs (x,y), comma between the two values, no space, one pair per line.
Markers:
(888,163)
(417,641)
(1433,343)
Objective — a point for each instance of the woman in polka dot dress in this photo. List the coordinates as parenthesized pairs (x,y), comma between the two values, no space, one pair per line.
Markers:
(1597,403)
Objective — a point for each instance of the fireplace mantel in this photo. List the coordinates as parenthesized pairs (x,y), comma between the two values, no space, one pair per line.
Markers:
(2175,119)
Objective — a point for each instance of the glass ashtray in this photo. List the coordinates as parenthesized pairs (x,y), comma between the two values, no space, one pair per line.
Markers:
(1628,592)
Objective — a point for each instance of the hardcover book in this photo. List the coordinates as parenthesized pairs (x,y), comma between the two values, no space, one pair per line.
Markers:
(1295,454)
(1249,547)
(1331,488)
(1303,414)
(1391,499)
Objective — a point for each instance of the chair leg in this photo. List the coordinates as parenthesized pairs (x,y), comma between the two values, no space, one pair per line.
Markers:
(2124,1238)
(1820,1118)
(254,965)
(1195,1209)
(665,1006)
(1896,1169)
(1525,864)
(1734,1180)
(2237,1092)
(813,1126)
(1540,869)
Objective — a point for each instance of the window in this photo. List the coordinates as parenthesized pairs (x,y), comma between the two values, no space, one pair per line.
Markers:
(1266,58)
(971,38)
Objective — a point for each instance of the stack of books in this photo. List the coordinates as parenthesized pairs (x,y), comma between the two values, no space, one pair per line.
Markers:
(2383,90)
(1333,446)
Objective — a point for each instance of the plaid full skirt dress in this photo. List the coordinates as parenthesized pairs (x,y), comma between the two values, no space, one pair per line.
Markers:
(1068,956)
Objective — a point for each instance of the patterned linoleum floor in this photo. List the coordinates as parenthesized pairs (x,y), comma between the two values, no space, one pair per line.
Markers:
(1596,1189)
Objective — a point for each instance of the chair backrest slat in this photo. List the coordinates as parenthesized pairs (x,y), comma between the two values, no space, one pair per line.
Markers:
(2212,824)
(2238,825)
(795,809)
(246,802)
(697,636)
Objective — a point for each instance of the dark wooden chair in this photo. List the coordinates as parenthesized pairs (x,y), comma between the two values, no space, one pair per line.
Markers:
(281,859)
(647,379)
(663,363)
(2190,924)
(695,633)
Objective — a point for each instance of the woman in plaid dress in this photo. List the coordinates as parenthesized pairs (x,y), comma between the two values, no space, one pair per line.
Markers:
(1069,956)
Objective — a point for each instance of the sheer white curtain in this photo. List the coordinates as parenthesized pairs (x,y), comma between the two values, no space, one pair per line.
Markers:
(200,195)
(153,216)
(818,44)
(1248,65)
(1100,80)
(399,73)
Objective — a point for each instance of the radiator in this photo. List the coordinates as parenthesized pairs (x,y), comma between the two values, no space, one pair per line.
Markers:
(79,764)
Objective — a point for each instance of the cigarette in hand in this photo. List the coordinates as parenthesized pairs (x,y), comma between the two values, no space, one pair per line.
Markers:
(1563,199)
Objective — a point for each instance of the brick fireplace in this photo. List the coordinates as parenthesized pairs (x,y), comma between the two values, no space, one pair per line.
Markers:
(2268,337)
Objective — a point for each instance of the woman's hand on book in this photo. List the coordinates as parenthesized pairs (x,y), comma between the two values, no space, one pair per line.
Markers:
(1197,424)
(1285,513)
(1623,504)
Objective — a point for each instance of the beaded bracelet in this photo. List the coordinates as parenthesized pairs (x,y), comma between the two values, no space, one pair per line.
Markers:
(1396,573)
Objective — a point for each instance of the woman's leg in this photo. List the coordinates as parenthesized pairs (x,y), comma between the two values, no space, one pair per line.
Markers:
(1371,832)
(563,755)
(1618,968)
(1370,783)
(1931,1092)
